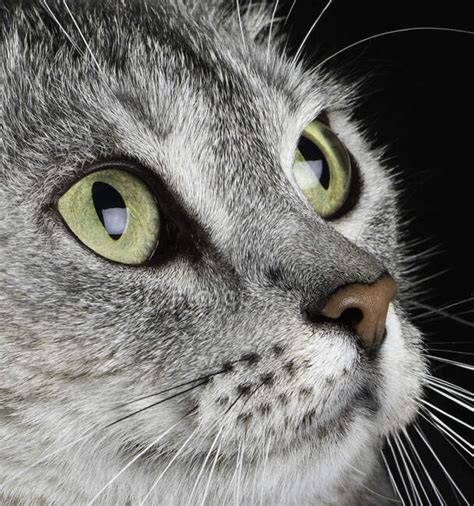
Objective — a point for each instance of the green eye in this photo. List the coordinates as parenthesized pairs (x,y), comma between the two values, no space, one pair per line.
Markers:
(114,214)
(322,169)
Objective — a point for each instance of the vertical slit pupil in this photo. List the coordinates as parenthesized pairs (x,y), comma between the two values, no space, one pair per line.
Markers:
(110,208)
(316,160)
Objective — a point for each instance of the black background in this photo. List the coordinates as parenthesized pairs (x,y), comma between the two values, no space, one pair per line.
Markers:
(417,100)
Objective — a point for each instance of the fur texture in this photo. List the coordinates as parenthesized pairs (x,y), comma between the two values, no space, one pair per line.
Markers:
(293,413)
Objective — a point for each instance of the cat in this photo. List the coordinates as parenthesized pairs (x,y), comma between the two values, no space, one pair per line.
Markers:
(200,254)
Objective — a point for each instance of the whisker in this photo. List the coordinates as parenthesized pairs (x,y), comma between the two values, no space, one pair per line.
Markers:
(312,27)
(239,16)
(400,474)
(137,456)
(234,475)
(420,481)
(155,404)
(449,432)
(444,413)
(422,436)
(42,459)
(461,365)
(420,461)
(451,342)
(206,490)
(266,454)
(442,390)
(170,463)
(201,378)
(411,481)
(451,386)
(454,447)
(392,32)
(444,308)
(270,29)
(460,352)
(422,281)
(94,430)
(201,471)
(239,473)
(82,37)
(442,312)
(69,38)
(290,11)
(392,479)
(369,489)
(265,463)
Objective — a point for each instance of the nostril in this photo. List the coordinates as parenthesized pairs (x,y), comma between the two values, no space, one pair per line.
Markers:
(364,308)
(312,314)
(351,317)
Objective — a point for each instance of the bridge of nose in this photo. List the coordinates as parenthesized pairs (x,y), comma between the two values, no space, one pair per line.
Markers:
(301,252)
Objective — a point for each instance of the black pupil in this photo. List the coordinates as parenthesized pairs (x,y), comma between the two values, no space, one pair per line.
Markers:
(110,208)
(316,160)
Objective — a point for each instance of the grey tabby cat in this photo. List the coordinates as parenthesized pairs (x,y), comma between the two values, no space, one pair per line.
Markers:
(199,265)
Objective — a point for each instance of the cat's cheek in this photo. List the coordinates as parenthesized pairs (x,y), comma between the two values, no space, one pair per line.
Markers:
(402,371)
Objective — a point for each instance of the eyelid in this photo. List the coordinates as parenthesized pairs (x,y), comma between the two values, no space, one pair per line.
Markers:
(323,118)
(109,163)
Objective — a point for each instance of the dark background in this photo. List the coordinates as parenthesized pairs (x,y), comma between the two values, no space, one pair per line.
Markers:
(417,99)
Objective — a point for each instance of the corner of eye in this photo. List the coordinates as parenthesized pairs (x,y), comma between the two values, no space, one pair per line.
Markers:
(323,117)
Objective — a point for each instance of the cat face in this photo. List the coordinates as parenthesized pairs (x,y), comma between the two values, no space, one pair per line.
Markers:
(209,123)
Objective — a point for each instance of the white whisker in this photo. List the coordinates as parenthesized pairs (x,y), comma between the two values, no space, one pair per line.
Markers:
(433,486)
(257,466)
(411,481)
(445,391)
(393,32)
(441,312)
(420,481)
(451,343)
(422,281)
(45,457)
(392,479)
(443,308)
(170,463)
(203,466)
(400,474)
(444,413)
(69,38)
(137,456)
(369,489)
(239,16)
(216,458)
(422,436)
(234,476)
(461,365)
(82,37)
(290,11)
(451,433)
(312,27)
(460,352)
(447,384)
(265,463)
(270,30)
(239,474)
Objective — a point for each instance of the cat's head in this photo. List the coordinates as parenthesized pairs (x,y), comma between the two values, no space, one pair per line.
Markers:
(204,307)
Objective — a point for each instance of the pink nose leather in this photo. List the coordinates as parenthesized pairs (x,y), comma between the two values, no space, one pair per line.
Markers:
(370,303)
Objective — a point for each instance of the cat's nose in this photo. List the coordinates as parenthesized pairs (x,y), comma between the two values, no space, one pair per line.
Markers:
(364,308)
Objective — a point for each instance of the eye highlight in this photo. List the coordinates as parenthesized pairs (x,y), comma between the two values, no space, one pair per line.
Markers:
(322,169)
(114,213)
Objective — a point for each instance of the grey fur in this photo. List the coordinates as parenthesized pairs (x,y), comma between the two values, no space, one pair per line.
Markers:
(217,121)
